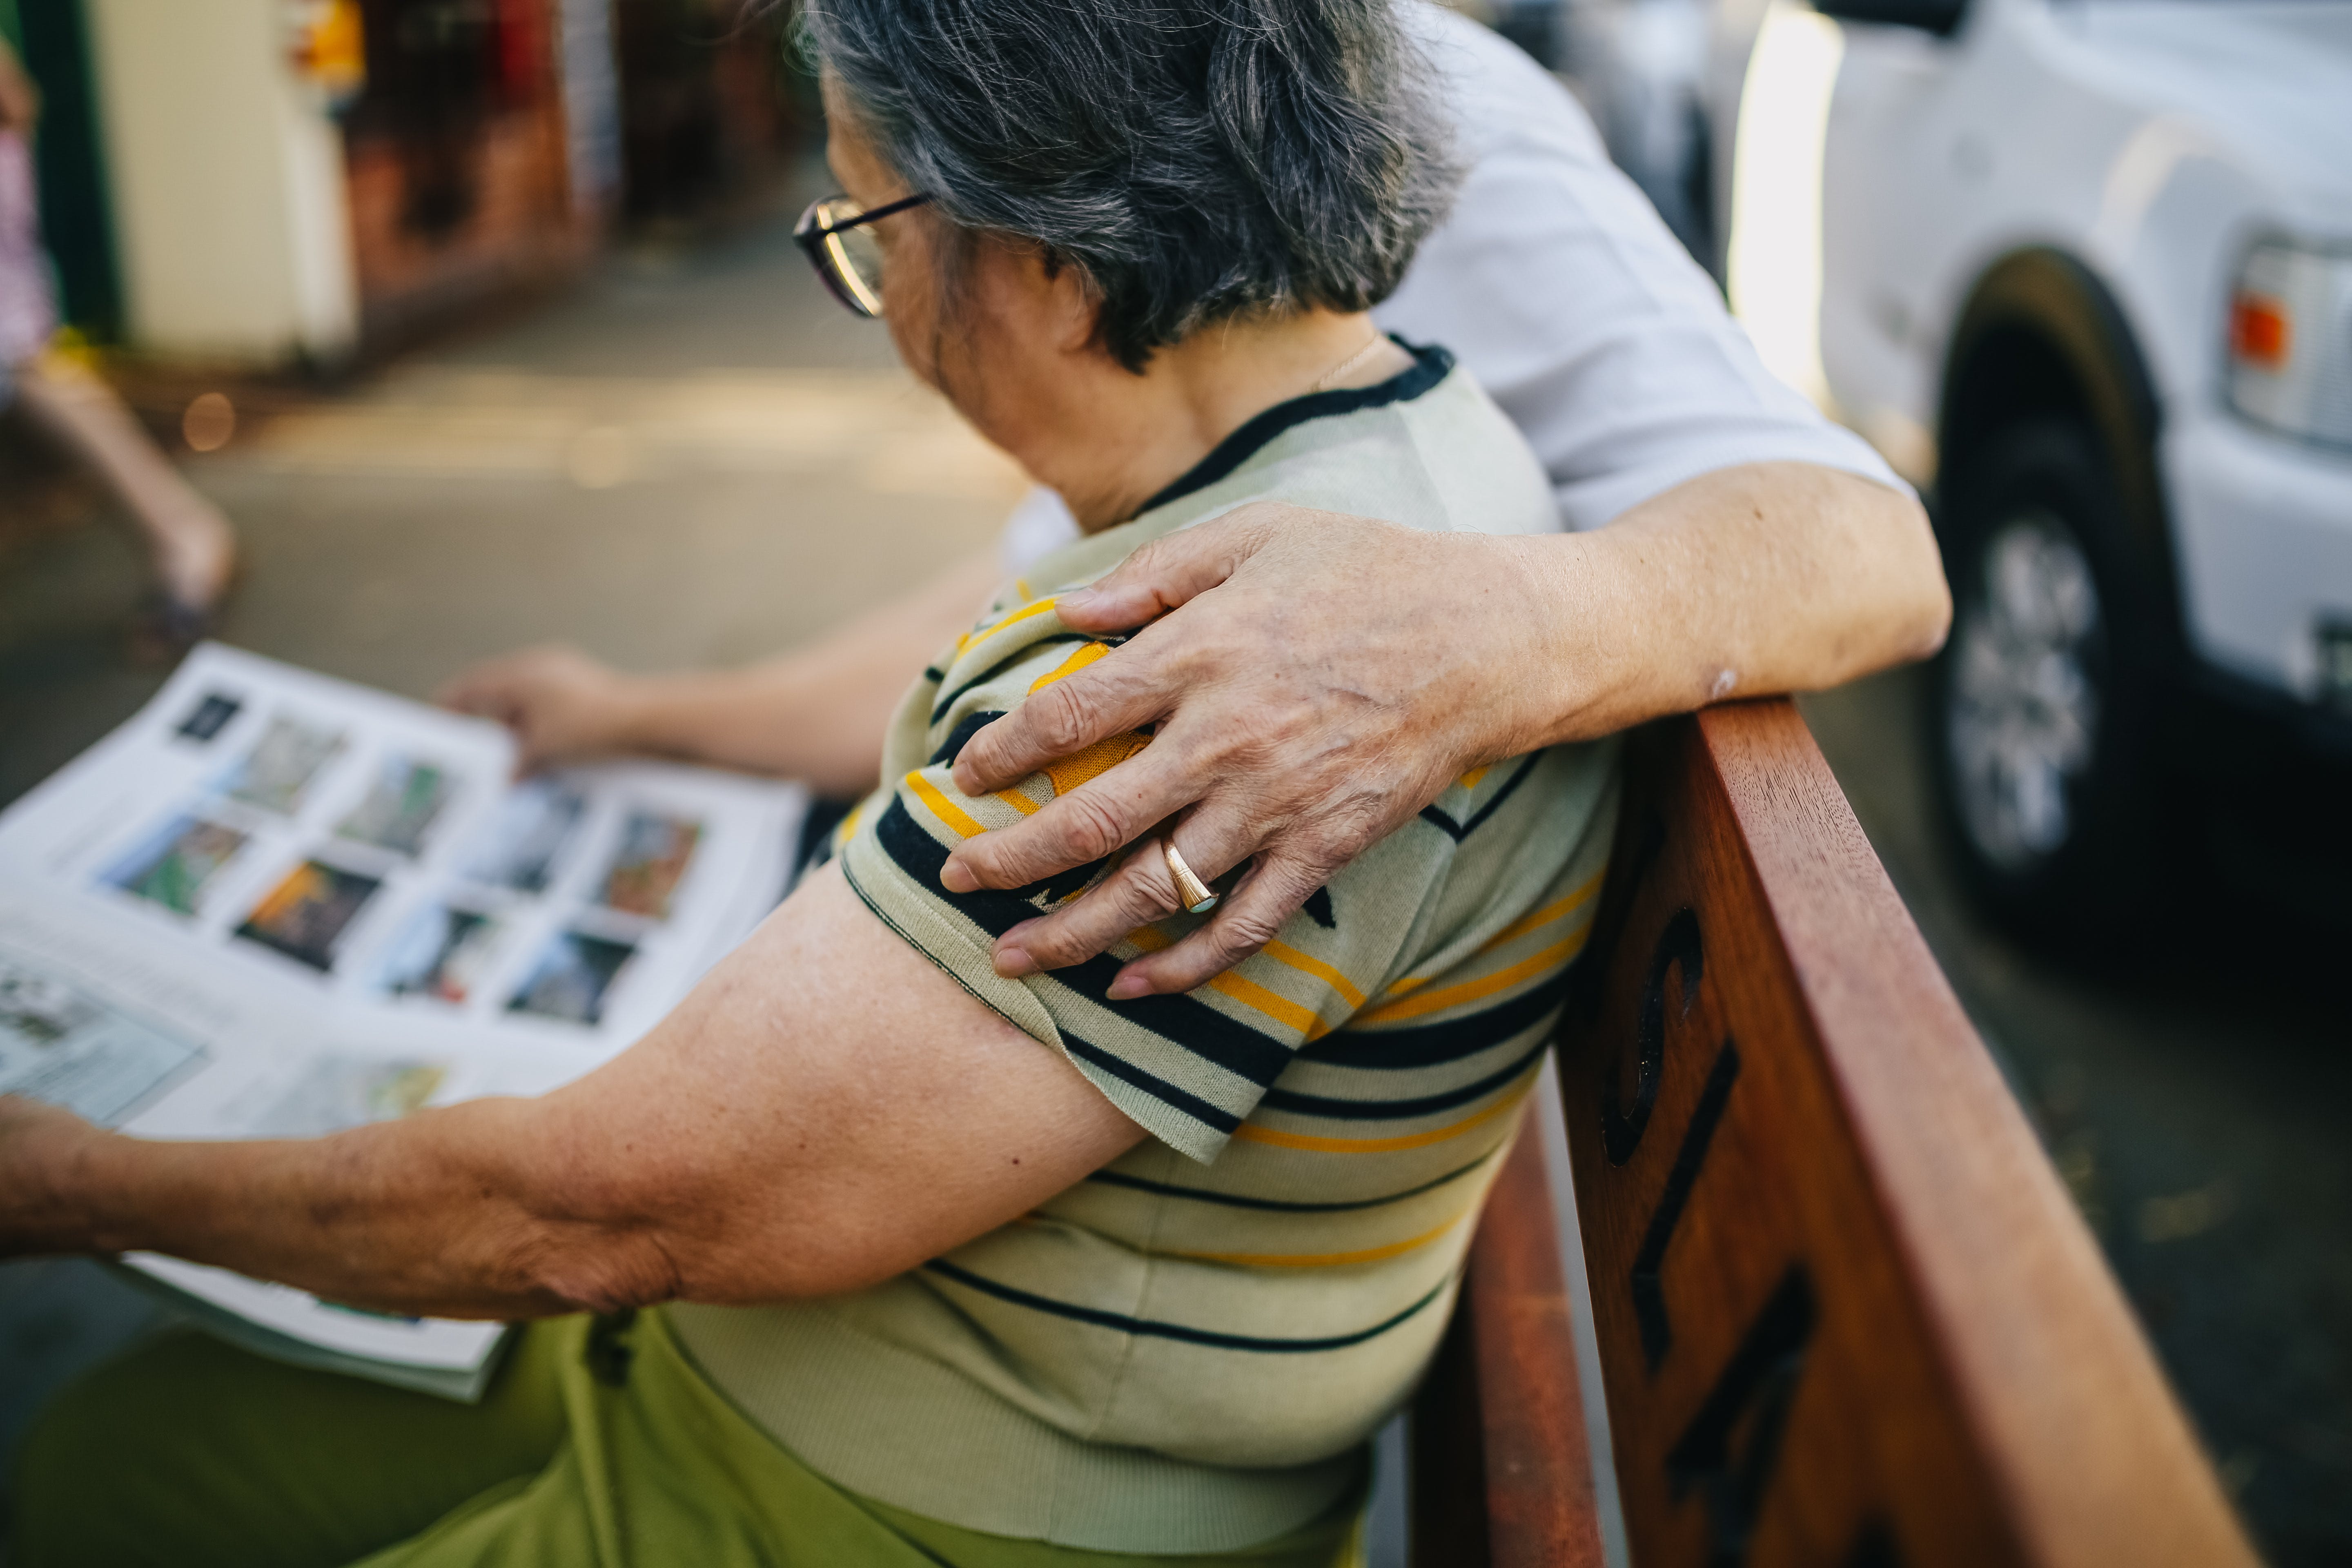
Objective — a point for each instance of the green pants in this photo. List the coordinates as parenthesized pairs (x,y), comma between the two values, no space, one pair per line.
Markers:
(597,1444)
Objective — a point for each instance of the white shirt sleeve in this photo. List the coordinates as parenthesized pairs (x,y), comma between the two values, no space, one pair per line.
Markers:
(1557,283)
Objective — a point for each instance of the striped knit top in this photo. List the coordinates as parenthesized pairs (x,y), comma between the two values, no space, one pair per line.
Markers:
(1185,1352)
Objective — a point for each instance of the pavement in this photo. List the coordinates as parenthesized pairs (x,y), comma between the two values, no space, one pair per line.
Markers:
(695,458)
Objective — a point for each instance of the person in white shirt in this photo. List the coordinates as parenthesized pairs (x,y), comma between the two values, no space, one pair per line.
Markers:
(1720,539)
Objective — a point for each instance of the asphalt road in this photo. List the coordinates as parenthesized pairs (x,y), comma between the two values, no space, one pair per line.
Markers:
(697,458)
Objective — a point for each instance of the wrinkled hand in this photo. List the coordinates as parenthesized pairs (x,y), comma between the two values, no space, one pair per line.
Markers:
(39,1144)
(562,705)
(1319,680)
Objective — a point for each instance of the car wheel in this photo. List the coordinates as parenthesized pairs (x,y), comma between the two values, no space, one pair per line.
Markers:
(2047,695)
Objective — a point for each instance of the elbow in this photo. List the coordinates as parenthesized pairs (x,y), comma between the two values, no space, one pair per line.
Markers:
(600,1233)
(615,1238)
(1925,620)
(594,1269)
(609,1269)
(1934,623)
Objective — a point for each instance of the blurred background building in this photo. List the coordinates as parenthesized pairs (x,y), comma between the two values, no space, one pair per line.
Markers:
(261,184)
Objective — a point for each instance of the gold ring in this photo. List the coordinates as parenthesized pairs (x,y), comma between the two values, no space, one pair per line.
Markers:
(1194,892)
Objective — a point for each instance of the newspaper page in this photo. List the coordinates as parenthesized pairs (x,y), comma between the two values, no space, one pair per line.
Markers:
(274,904)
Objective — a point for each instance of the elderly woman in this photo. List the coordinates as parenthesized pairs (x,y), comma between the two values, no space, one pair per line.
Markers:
(871,1253)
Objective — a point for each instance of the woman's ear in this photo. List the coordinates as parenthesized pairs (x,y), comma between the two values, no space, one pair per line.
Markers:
(1074,304)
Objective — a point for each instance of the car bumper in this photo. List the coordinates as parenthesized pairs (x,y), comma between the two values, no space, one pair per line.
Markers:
(2264,528)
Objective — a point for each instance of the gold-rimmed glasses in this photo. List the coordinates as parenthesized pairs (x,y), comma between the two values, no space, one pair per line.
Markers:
(843,249)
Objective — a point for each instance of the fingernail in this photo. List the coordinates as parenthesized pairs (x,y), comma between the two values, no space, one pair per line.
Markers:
(1128,986)
(957,878)
(1014,964)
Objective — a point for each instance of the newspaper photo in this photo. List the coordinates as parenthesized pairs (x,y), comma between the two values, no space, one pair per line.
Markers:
(273,904)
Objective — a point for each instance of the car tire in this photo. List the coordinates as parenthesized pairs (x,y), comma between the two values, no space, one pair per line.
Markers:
(2046,699)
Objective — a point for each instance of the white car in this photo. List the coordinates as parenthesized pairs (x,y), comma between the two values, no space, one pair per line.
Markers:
(2085,267)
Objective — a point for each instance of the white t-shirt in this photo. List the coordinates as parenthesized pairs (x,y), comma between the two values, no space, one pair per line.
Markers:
(1557,284)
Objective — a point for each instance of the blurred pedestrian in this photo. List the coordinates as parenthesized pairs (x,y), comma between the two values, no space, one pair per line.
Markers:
(194,546)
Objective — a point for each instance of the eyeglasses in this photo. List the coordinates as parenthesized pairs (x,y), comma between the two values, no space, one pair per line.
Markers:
(844,250)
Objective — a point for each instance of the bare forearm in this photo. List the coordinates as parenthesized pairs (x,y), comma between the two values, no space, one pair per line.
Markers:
(825,1109)
(1753,581)
(437,1215)
(817,714)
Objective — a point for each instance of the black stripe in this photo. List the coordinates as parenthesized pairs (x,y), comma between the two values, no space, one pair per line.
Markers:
(1429,367)
(1388,1109)
(1159,1088)
(815,845)
(940,708)
(1462,831)
(1147,1326)
(959,737)
(1193,1026)
(1428,1044)
(1275,1206)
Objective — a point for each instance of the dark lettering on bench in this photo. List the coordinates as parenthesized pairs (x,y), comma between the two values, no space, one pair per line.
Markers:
(1621,1125)
(1874,1548)
(1649,1293)
(1749,1401)
(1847,1315)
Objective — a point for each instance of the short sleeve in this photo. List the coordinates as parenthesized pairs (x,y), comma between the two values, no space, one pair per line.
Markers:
(1190,1068)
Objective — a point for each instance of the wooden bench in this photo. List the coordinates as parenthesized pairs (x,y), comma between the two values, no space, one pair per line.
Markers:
(1845,1312)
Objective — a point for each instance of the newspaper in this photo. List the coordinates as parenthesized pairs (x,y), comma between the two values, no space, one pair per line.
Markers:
(274,904)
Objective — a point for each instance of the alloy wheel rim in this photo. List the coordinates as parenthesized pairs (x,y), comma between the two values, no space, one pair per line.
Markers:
(2025,705)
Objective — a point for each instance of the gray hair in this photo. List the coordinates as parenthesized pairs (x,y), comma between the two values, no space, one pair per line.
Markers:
(1195,160)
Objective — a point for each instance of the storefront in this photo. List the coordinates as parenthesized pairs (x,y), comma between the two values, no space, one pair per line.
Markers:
(259,183)
(460,183)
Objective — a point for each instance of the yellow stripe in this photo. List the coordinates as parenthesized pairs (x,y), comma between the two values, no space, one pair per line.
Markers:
(1544,916)
(1273,1005)
(1250,1132)
(943,808)
(1085,653)
(1318,1259)
(1446,996)
(1283,952)
(1015,619)
(1248,993)
(1023,614)
(1019,802)
(1470,780)
(1518,927)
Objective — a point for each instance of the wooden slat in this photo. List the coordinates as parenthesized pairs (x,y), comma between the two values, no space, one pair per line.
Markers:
(1846,1313)
(1502,1475)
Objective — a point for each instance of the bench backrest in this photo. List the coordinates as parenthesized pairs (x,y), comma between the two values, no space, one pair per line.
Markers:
(1846,1313)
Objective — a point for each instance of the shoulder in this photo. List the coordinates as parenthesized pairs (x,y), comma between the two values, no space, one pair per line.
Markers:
(1496,95)
(1446,459)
